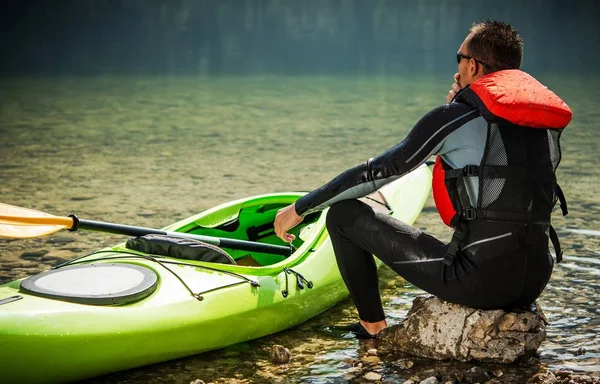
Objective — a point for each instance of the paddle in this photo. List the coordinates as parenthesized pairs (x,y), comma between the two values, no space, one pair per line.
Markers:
(22,223)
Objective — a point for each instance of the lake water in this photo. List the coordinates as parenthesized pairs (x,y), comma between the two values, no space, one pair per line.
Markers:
(152,150)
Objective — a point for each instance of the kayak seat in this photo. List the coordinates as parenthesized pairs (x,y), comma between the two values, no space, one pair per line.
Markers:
(180,248)
(257,232)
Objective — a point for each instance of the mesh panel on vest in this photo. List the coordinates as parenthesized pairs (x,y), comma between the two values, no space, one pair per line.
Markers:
(553,140)
(527,152)
(496,155)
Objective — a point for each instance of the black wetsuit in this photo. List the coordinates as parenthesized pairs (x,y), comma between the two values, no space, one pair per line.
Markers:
(501,265)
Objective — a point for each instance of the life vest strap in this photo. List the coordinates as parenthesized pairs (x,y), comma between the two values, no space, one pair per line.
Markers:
(502,171)
(453,246)
(555,244)
(513,217)
(467,170)
(466,211)
(562,199)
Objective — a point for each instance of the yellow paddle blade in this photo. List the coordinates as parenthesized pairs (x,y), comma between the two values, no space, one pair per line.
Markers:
(22,223)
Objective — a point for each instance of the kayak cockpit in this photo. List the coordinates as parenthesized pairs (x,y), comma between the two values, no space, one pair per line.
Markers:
(249,221)
(252,220)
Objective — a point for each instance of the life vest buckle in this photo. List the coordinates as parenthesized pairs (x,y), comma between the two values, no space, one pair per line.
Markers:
(449,259)
(470,170)
(469,214)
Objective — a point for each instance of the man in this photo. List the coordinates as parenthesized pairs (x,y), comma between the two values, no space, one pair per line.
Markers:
(496,142)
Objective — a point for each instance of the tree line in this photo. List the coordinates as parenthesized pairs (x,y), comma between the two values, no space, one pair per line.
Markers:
(280,36)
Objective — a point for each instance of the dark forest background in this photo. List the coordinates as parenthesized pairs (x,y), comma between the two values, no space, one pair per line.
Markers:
(86,37)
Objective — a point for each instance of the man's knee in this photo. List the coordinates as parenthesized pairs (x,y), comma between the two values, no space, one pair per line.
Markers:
(344,213)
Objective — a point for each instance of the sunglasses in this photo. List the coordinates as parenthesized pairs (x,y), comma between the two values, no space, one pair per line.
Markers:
(460,56)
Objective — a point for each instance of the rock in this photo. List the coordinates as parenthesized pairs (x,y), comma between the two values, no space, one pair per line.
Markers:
(404,364)
(476,375)
(350,361)
(580,351)
(372,352)
(563,374)
(430,380)
(372,376)
(33,255)
(543,378)
(370,360)
(280,354)
(429,373)
(584,379)
(563,377)
(439,330)
(83,197)
(60,240)
(197,381)
(353,370)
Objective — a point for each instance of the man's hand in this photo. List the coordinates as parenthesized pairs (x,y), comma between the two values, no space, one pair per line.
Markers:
(286,219)
(455,88)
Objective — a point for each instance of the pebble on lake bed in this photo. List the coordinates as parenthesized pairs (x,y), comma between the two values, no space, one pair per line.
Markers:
(279,354)
(33,255)
(372,376)
(562,377)
(430,380)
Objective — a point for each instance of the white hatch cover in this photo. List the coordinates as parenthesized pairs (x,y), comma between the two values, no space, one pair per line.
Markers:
(96,284)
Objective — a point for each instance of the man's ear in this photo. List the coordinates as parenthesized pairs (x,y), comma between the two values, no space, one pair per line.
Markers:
(473,67)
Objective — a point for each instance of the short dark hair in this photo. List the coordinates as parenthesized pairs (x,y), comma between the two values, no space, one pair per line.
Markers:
(497,44)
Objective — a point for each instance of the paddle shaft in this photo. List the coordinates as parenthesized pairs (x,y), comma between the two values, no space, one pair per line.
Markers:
(129,230)
(73,223)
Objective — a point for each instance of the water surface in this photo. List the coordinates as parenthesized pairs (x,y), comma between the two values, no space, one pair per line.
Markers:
(152,150)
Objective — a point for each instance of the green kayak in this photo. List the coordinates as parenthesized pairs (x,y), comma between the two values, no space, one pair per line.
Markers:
(169,307)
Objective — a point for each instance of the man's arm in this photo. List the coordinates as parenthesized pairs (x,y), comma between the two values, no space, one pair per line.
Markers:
(424,140)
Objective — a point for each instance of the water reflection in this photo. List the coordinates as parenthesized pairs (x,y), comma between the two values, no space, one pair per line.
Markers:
(150,151)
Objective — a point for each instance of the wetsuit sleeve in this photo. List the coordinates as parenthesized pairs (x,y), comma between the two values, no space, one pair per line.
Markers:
(423,141)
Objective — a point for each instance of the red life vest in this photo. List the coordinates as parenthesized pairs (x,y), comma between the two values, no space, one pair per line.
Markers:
(442,200)
(509,98)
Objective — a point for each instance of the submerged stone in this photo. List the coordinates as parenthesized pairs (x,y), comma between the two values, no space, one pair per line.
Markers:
(372,376)
(280,354)
(430,380)
(476,375)
(32,255)
(562,377)
(440,330)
